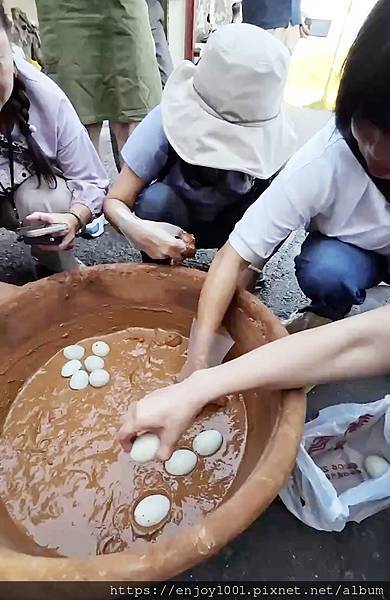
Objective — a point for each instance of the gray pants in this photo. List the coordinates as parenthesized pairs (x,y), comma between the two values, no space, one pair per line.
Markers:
(156,19)
(29,198)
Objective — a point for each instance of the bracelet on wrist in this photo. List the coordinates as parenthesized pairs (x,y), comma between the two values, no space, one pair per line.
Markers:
(82,225)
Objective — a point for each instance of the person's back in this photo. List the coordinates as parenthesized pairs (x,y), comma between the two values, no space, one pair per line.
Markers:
(102,55)
(280,17)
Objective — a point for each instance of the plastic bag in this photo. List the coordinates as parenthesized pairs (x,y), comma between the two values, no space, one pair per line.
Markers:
(375,298)
(329,485)
(203,354)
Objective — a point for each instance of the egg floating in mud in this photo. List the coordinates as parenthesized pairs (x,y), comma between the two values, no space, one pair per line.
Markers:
(207,442)
(70,368)
(79,445)
(93,363)
(145,447)
(99,378)
(74,352)
(79,380)
(94,373)
(152,510)
(101,349)
(181,462)
(376,466)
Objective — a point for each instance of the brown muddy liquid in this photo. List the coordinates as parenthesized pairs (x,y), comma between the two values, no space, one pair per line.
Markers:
(65,480)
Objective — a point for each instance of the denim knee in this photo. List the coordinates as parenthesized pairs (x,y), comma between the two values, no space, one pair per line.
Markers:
(328,288)
(159,202)
(335,275)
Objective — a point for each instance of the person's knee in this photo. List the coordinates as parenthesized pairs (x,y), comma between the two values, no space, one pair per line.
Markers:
(155,202)
(159,202)
(34,196)
(329,285)
(322,278)
(336,275)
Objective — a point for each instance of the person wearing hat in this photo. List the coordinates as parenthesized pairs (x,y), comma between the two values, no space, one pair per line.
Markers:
(49,170)
(337,188)
(201,158)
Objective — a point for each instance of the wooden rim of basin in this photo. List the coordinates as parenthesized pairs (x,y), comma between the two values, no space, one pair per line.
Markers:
(165,559)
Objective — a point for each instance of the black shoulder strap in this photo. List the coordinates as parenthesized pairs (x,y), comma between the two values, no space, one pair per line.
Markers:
(383,185)
(171,160)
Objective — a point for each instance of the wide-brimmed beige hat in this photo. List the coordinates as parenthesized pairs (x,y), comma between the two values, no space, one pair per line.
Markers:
(227,111)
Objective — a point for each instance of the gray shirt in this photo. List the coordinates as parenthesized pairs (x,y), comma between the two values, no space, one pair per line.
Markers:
(61,136)
(146,153)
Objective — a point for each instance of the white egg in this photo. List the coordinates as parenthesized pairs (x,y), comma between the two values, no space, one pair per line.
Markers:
(93,363)
(207,442)
(376,466)
(152,510)
(100,349)
(99,378)
(74,352)
(79,380)
(145,447)
(181,462)
(70,368)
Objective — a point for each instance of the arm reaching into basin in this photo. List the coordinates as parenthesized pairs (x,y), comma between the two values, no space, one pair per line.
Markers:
(134,205)
(263,228)
(205,348)
(157,240)
(354,347)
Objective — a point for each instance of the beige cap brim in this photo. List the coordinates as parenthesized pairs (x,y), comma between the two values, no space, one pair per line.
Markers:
(201,137)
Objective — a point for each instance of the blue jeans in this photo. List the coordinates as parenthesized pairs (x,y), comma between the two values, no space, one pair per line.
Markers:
(160,202)
(335,275)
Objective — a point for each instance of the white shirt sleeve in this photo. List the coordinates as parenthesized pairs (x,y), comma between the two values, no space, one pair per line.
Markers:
(291,201)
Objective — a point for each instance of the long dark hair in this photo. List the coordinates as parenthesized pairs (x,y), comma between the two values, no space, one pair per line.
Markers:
(364,91)
(17,111)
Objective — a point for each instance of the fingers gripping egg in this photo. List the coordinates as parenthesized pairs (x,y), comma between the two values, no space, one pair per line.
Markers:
(145,447)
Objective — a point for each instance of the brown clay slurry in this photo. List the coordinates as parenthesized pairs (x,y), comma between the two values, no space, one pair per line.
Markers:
(63,476)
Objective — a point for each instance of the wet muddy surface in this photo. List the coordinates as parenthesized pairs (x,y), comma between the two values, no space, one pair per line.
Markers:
(63,475)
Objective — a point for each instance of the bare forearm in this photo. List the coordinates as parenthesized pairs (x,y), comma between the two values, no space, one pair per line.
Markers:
(119,203)
(122,217)
(83,212)
(219,289)
(352,348)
